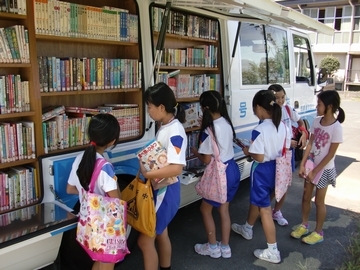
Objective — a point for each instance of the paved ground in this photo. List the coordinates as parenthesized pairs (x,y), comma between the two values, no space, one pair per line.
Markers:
(343,206)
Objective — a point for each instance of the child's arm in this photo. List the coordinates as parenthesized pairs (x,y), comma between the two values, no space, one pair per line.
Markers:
(256,157)
(202,157)
(305,157)
(165,172)
(324,161)
(302,129)
(71,189)
(116,193)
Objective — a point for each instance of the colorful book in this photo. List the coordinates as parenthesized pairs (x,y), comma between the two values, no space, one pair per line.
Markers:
(309,166)
(154,156)
(51,112)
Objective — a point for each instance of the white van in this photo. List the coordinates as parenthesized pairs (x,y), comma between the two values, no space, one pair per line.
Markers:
(258,47)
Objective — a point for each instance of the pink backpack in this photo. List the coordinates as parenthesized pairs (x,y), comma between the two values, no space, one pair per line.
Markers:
(213,183)
(101,229)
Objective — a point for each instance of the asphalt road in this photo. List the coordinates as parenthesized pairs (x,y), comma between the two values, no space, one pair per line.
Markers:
(343,217)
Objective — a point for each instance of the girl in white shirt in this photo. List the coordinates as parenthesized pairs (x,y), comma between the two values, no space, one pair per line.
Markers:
(267,142)
(216,118)
(326,135)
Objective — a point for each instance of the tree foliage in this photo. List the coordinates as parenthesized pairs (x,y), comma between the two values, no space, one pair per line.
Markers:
(331,63)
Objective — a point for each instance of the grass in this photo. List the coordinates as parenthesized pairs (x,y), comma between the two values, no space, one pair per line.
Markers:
(353,262)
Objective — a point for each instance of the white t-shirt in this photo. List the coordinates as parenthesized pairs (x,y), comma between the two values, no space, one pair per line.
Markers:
(323,138)
(107,180)
(288,119)
(265,139)
(173,137)
(224,137)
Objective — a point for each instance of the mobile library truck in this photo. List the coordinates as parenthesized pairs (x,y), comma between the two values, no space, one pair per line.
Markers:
(98,57)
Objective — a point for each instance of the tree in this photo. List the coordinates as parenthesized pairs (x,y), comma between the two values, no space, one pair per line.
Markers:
(331,63)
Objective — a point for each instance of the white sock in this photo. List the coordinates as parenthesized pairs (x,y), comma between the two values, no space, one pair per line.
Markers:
(248,227)
(273,248)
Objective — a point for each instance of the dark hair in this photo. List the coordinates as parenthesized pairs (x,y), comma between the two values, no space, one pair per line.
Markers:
(212,102)
(331,97)
(103,129)
(266,99)
(276,88)
(161,93)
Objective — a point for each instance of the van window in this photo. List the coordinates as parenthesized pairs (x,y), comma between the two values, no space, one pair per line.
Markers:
(303,60)
(264,54)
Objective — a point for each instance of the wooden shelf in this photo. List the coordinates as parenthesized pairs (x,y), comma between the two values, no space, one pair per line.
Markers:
(89,92)
(16,115)
(188,68)
(15,65)
(17,163)
(192,129)
(189,99)
(175,36)
(52,38)
(12,16)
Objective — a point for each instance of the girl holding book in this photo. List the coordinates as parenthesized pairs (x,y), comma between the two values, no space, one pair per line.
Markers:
(104,132)
(169,115)
(288,115)
(326,135)
(267,142)
(216,118)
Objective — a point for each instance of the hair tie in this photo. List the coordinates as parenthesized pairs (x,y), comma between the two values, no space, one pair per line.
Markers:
(272,103)
(93,143)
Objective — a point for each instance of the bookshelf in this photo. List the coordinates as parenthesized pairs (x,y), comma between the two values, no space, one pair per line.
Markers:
(79,32)
(191,45)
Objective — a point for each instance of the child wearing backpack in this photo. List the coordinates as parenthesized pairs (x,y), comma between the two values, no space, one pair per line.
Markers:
(216,118)
(326,135)
(267,143)
(288,115)
(104,132)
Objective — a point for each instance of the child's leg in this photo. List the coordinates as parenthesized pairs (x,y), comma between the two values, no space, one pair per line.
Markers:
(320,208)
(268,224)
(306,201)
(150,256)
(279,204)
(253,214)
(103,266)
(225,223)
(206,211)
(164,246)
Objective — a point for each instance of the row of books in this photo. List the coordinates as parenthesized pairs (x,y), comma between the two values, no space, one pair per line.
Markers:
(22,214)
(186,24)
(13,6)
(53,17)
(77,74)
(14,94)
(199,56)
(14,45)
(190,85)
(17,141)
(18,187)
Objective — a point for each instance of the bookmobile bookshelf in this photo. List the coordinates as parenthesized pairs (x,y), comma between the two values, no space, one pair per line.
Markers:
(192,47)
(78,42)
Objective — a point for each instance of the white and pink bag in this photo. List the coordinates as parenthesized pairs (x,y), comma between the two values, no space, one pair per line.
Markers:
(101,228)
(213,183)
(283,173)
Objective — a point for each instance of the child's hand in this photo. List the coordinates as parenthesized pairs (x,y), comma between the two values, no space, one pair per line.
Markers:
(194,151)
(302,172)
(143,170)
(246,151)
(302,141)
(294,144)
(310,177)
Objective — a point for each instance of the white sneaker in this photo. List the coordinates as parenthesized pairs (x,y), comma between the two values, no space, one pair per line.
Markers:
(225,251)
(266,255)
(240,229)
(205,249)
(278,217)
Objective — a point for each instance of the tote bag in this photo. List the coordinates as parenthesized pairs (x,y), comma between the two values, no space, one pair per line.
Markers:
(283,174)
(140,206)
(101,228)
(213,183)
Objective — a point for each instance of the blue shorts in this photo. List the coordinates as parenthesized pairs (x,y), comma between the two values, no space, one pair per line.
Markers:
(262,179)
(233,182)
(167,203)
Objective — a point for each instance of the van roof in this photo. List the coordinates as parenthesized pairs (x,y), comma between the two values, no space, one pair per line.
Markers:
(265,11)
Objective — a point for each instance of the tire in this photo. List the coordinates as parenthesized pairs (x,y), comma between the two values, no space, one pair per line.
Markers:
(72,256)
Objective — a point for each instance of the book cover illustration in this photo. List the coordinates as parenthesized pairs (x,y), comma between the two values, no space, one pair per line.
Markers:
(154,156)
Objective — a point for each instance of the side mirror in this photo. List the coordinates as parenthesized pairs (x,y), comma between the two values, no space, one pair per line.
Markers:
(322,76)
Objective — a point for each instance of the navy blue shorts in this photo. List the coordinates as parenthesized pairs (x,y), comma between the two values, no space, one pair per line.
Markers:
(262,183)
(233,182)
